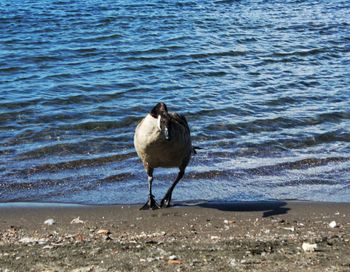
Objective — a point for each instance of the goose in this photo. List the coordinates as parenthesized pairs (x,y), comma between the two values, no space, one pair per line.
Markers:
(162,139)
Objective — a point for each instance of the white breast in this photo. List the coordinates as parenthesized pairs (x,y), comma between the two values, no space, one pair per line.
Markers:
(154,150)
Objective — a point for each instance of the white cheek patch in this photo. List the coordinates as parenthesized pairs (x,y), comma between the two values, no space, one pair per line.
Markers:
(158,122)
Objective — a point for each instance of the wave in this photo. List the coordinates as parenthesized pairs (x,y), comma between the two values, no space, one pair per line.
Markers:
(73,164)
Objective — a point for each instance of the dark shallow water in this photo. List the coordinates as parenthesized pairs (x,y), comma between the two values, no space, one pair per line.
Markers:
(265,86)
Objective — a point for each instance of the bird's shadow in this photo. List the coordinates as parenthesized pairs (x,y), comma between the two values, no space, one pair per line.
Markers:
(268,208)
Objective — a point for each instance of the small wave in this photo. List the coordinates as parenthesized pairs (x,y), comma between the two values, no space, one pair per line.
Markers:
(231,53)
(258,125)
(209,74)
(115,178)
(60,76)
(285,100)
(5,152)
(20,103)
(65,182)
(298,182)
(79,99)
(142,67)
(39,59)
(198,56)
(42,184)
(10,116)
(160,50)
(213,174)
(107,37)
(102,125)
(12,69)
(302,141)
(74,164)
(301,53)
(280,122)
(294,165)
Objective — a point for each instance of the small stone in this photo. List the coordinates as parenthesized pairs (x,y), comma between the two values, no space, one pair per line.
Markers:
(48,247)
(307,247)
(333,224)
(233,263)
(173,257)
(28,240)
(174,262)
(49,222)
(103,232)
(291,229)
(42,241)
(77,221)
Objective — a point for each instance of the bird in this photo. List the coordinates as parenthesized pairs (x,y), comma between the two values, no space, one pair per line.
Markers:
(163,139)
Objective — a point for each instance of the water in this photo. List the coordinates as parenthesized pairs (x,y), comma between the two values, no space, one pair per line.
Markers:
(264,85)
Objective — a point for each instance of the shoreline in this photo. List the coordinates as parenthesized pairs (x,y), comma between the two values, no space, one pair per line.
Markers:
(201,236)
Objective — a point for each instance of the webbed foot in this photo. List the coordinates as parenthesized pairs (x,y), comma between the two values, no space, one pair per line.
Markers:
(150,204)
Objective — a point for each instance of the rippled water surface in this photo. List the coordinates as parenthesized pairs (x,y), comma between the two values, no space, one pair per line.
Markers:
(265,86)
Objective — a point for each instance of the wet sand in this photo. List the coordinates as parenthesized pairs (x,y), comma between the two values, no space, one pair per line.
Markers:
(247,236)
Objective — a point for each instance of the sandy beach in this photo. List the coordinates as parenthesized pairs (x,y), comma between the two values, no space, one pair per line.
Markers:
(247,236)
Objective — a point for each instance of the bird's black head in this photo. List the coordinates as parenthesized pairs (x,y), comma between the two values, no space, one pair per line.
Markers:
(160,112)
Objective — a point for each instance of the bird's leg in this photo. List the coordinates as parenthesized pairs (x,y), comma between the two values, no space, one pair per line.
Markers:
(165,203)
(151,203)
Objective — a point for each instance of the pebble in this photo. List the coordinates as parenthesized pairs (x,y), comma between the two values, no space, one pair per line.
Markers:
(307,247)
(28,240)
(48,247)
(49,222)
(42,241)
(291,229)
(103,232)
(174,262)
(333,224)
(233,263)
(77,221)
(173,257)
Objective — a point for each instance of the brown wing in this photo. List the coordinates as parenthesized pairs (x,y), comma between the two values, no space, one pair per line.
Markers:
(181,119)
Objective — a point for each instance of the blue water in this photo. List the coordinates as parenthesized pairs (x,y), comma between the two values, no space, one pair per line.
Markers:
(265,86)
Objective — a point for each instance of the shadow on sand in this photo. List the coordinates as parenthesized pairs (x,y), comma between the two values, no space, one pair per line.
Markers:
(269,208)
